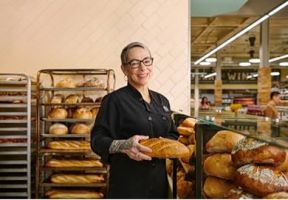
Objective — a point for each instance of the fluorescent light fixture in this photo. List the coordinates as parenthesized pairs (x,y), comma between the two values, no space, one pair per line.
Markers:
(242,32)
(205,63)
(244,64)
(210,75)
(254,60)
(211,60)
(275,73)
(283,64)
(278,58)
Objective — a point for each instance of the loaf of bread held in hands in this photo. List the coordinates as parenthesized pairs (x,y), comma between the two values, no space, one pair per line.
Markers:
(165,148)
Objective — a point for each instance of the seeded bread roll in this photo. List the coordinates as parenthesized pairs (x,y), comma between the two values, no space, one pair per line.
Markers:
(165,148)
(261,180)
(58,129)
(249,150)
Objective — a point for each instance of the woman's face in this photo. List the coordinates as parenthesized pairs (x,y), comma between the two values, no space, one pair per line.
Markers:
(138,74)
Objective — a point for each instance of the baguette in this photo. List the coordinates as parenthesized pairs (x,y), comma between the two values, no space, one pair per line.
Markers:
(76,179)
(165,148)
(69,145)
(74,163)
(73,194)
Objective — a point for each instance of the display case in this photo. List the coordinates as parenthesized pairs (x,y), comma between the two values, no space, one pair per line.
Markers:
(16,136)
(68,102)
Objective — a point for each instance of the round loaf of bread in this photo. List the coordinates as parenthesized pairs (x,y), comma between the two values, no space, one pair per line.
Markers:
(249,150)
(72,99)
(165,148)
(58,129)
(66,83)
(185,131)
(277,195)
(56,99)
(261,180)
(82,113)
(58,113)
(80,128)
(217,187)
(223,142)
(219,165)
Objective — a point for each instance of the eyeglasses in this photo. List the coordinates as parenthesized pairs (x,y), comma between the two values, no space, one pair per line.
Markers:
(134,64)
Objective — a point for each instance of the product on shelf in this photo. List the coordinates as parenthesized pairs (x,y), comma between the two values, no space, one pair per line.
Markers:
(165,148)
(58,113)
(219,165)
(94,82)
(223,141)
(191,148)
(249,150)
(58,129)
(74,163)
(239,193)
(184,189)
(76,179)
(87,100)
(13,140)
(57,98)
(69,145)
(283,166)
(66,83)
(98,100)
(261,180)
(73,194)
(80,128)
(72,99)
(277,195)
(95,111)
(217,187)
(82,113)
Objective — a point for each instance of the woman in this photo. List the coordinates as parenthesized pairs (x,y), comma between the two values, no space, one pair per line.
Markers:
(126,116)
(270,109)
(204,105)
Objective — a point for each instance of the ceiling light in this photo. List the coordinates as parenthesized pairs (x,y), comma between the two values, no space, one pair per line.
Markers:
(245,30)
(210,75)
(254,60)
(283,64)
(255,75)
(278,58)
(244,64)
(205,63)
(275,73)
(211,60)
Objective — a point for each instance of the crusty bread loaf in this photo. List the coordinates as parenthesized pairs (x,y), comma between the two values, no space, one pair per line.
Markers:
(277,195)
(185,131)
(76,179)
(249,150)
(66,83)
(189,122)
(239,193)
(191,148)
(94,112)
(165,148)
(220,165)
(217,187)
(71,99)
(58,113)
(73,194)
(58,129)
(58,98)
(69,145)
(223,142)
(82,113)
(184,189)
(74,163)
(261,180)
(284,165)
(87,100)
(80,128)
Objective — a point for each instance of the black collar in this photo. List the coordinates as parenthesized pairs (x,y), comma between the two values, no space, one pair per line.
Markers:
(137,94)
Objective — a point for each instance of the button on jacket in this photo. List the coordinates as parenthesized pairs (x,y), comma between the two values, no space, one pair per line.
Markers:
(124,113)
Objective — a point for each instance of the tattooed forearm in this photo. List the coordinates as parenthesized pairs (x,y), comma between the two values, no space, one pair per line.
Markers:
(117,146)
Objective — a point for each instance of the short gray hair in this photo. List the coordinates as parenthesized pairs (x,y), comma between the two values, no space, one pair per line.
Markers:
(125,51)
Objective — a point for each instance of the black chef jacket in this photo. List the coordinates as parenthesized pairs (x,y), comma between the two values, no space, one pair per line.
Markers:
(124,113)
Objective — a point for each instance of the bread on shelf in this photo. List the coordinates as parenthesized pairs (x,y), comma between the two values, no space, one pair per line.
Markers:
(66,83)
(73,194)
(82,113)
(72,99)
(76,178)
(69,145)
(80,128)
(58,129)
(239,193)
(94,111)
(87,100)
(217,187)
(277,195)
(165,148)
(74,163)
(250,150)
(57,113)
(223,142)
(56,99)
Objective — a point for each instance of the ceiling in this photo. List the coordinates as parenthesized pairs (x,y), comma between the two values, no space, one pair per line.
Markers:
(208,32)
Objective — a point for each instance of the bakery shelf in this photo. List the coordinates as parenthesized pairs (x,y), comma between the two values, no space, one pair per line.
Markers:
(12,186)
(66,151)
(13,162)
(13,136)
(66,136)
(100,170)
(12,98)
(13,121)
(71,104)
(9,105)
(47,184)
(13,194)
(73,89)
(13,113)
(13,170)
(15,144)
(70,120)
(8,129)
(13,178)
(9,89)
(14,152)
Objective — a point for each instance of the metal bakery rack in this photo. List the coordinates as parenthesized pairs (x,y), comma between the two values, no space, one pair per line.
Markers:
(16,126)
(47,80)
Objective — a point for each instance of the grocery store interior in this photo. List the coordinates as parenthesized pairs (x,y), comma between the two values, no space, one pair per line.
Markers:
(218,62)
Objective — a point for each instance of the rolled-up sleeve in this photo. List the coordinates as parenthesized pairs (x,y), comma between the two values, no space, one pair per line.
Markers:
(103,132)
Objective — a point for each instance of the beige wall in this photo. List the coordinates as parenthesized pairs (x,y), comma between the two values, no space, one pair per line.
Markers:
(37,34)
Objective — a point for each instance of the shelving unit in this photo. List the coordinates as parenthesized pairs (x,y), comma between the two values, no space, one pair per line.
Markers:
(47,87)
(16,150)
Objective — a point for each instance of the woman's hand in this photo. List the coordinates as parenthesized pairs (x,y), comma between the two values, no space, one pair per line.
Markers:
(135,150)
